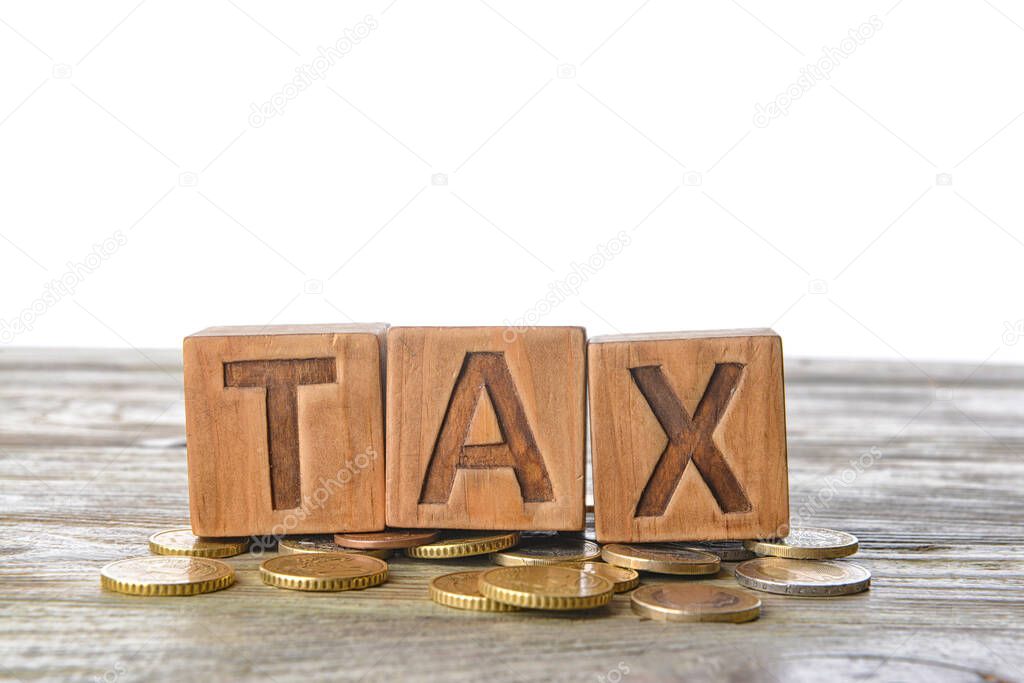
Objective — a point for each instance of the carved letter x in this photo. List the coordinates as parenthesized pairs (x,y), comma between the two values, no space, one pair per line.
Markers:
(689,439)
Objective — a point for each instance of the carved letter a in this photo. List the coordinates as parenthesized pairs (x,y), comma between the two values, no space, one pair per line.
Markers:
(485,371)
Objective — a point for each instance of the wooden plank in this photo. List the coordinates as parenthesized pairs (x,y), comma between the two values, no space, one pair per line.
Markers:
(938,511)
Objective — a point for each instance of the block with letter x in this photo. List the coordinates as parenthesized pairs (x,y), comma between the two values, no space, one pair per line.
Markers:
(688,436)
(486,427)
(285,429)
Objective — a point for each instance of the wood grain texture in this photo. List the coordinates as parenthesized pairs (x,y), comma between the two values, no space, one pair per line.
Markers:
(938,511)
(688,432)
(285,430)
(485,428)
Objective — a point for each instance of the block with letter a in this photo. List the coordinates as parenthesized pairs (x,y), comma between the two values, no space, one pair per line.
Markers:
(688,436)
(486,427)
(285,429)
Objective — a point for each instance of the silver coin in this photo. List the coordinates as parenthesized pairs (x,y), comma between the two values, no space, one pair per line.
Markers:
(811,578)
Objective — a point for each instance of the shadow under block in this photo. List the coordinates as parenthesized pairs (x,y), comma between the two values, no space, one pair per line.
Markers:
(486,428)
(688,436)
(285,429)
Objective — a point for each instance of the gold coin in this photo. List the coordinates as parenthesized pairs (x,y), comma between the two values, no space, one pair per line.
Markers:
(324,544)
(623,578)
(813,578)
(557,550)
(546,587)
(807,543)
(389,538)
(464,544)
(661,558)
(462,591)
(184,542)
(324,571)
(694,602)
(162,575)
(727,551)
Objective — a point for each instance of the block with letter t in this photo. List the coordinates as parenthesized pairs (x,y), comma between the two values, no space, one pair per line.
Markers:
(688,436)
(486,427)
(285,429)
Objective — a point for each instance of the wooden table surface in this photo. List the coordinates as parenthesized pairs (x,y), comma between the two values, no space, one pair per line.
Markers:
(921,461)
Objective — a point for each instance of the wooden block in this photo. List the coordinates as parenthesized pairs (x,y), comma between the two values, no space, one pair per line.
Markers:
(486,428)
(688,436)
(285,429)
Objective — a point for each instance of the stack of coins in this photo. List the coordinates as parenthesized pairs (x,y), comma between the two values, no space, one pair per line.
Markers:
(683,601)
(804,563)
(544,571)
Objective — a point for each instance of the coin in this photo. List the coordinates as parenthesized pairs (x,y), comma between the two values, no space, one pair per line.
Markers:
(556,550)
(694,602)
(324,571)
(162,575)
(807,543)
(389,538)
(184,542)
(462,591)
(546,587)
(623,578)
(661,558)
(727,551)
(464,544)
(324,544)
(813,578)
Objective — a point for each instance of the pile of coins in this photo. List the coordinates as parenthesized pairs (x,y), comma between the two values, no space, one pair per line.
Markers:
(804,563)
(534,571)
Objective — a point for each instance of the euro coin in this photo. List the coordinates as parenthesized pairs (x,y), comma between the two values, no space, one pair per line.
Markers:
(464,544)
(324,571)
(623,579)
(661,558)
(162,575)
(694,602)
(387,539)
(727,551)
(807,543)
(461,590)
(812,578)
(324,544)
(555,550)
(184,542)
(546,587)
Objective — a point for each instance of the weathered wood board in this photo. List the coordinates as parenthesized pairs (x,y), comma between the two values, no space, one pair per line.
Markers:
(89,468)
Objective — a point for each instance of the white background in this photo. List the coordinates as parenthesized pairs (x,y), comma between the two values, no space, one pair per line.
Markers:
(558,128)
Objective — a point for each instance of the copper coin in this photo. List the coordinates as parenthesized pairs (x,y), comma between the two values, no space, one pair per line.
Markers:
(389,538)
